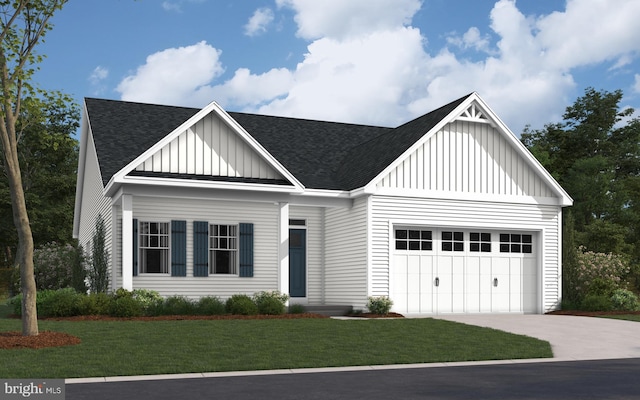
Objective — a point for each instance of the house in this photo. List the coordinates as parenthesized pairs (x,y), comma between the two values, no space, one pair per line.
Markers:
(448,213)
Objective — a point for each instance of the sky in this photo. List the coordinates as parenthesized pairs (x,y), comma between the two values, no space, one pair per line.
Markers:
(376,62)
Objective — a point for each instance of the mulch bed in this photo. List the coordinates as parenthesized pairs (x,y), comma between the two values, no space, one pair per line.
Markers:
(15,340)
(370,315)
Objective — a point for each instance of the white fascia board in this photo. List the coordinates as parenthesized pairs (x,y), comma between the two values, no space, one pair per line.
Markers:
(465,196)
(120,176)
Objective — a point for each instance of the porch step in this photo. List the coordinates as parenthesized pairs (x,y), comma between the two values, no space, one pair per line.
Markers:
(329,310)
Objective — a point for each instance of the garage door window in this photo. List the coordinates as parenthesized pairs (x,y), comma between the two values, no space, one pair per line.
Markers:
(480,242)
(452,241)
(413,239)
(515,243)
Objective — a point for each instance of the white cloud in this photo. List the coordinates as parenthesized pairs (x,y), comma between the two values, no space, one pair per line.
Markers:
(171,6)
(470,39)
(174,76)
(636,84)
(252,90)
(99,74)
(259,22)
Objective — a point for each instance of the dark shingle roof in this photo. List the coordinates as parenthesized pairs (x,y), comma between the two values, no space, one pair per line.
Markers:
(321,155)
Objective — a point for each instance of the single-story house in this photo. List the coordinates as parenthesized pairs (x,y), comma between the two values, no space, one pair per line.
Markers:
(448,213)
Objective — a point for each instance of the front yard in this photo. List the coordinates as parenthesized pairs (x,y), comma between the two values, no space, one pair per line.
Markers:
(115,348)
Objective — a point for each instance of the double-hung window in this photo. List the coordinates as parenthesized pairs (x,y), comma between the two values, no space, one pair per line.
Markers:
(154,247)
(223,249)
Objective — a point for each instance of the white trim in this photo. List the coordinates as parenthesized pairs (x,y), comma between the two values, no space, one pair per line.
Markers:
(283,247)
(127,242)
(484,197)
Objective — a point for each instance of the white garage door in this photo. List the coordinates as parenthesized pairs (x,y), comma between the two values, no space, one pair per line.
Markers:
(446,270)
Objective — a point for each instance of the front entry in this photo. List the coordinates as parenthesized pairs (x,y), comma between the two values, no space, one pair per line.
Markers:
(297,262)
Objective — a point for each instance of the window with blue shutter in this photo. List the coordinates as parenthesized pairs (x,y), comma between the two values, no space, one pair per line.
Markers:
(135,247)
(246,250)
(178,248)
(200,248)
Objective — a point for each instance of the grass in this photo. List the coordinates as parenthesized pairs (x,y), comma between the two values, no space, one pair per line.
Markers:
(166,347)
(628,317)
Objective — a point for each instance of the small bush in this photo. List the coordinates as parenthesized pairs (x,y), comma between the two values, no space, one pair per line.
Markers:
(15,303)
(58,266)
(379,305)
(296,309)
(96,304)
(59,303)
(178,305)
(596,302)
(241,304)
(148,299)
(125,307)
(270,303)
(624,300)
(210,305)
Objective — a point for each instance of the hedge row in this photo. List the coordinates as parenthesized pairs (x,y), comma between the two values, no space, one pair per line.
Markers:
(140,302)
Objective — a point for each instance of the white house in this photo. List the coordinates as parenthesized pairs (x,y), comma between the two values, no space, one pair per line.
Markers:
(448,213)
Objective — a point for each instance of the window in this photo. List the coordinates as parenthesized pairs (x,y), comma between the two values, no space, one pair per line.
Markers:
(515,243)
(223,249)
(480,242)
(154,247)
(413,239)
(452,241)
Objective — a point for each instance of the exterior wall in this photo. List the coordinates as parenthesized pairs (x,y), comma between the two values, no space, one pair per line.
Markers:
(264,216)
(468,157)
(93,202)
(211,148)
(407,211)
(315,248)
(346,256)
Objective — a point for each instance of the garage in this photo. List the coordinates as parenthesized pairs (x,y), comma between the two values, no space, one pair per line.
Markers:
(452,270)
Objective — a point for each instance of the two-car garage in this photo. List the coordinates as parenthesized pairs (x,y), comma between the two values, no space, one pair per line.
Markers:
(451,270)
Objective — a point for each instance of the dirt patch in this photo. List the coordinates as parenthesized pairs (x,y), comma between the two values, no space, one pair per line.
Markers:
(15,340)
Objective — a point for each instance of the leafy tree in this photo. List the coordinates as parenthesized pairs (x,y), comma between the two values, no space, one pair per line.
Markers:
(23,24)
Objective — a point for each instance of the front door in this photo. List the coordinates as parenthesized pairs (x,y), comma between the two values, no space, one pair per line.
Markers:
(297,263)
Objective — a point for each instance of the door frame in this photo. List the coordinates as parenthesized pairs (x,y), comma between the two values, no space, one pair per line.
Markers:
(298,226)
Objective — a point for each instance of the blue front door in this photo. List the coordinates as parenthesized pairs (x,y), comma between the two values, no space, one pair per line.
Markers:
(297,263)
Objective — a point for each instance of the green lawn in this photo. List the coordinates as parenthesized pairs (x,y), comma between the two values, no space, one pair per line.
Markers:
(167,347)
(628,317)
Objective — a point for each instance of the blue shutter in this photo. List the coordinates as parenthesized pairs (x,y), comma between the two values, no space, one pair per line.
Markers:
(135,247)
(200,248)
(246,250)
(178,248)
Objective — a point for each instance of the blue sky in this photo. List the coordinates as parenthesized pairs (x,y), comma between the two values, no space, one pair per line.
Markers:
(380,62)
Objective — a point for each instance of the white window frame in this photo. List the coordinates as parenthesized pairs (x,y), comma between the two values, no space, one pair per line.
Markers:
(228,243)
(163,246)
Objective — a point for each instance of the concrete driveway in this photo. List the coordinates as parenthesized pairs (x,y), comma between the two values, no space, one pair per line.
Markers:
(571,337)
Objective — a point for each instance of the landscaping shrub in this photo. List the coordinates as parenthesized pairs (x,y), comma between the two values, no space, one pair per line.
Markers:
(596,302)
(595,274)
(96,304)
(125,307)
(270,303)
(241,304)
(58,266)
(624,300)
(148,299)
(210,305)
(296,309)
(15,303)
(177,305)
(379,305)
(52,303)
(98,265)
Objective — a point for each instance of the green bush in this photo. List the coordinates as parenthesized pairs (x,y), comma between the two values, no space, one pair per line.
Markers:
(177,305)
(270,303)
(125,307)
(15,303)
(596,302)
(58,266)
(624,300)
(148,299)
(210,305)
(241,304)
(96,304)
(379,305)
(59,303)
(296,309)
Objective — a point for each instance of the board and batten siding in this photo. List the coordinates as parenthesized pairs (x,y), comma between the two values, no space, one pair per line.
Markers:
(263,216)
(314,217)
(406,211)
(467,157)
(346,254)
(93,203)
(211,148)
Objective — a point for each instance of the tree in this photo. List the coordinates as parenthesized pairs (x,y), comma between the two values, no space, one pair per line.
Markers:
(23,25)
(99,261)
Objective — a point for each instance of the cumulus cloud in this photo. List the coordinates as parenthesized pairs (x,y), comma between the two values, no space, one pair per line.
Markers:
(177,75)
(99,74)
(259,22)
(366,63)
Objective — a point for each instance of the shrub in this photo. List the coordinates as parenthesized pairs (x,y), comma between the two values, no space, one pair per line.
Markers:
(596,302)
(98,269)
(241,304)
(296,309)
(624,300)
(177,305)
(58,266)
(379,305)
(59,303)
(125,307)
(148,299)
(96,304)
(15,303)
(210,305)
(270,303)
(602,271)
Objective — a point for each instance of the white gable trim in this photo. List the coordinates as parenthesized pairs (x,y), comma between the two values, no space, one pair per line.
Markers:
(121,176)
(474,109)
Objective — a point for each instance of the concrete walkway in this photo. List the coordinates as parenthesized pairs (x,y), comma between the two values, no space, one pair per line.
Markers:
(571,337)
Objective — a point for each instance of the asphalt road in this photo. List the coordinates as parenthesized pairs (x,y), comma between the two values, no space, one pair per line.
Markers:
(601,379)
